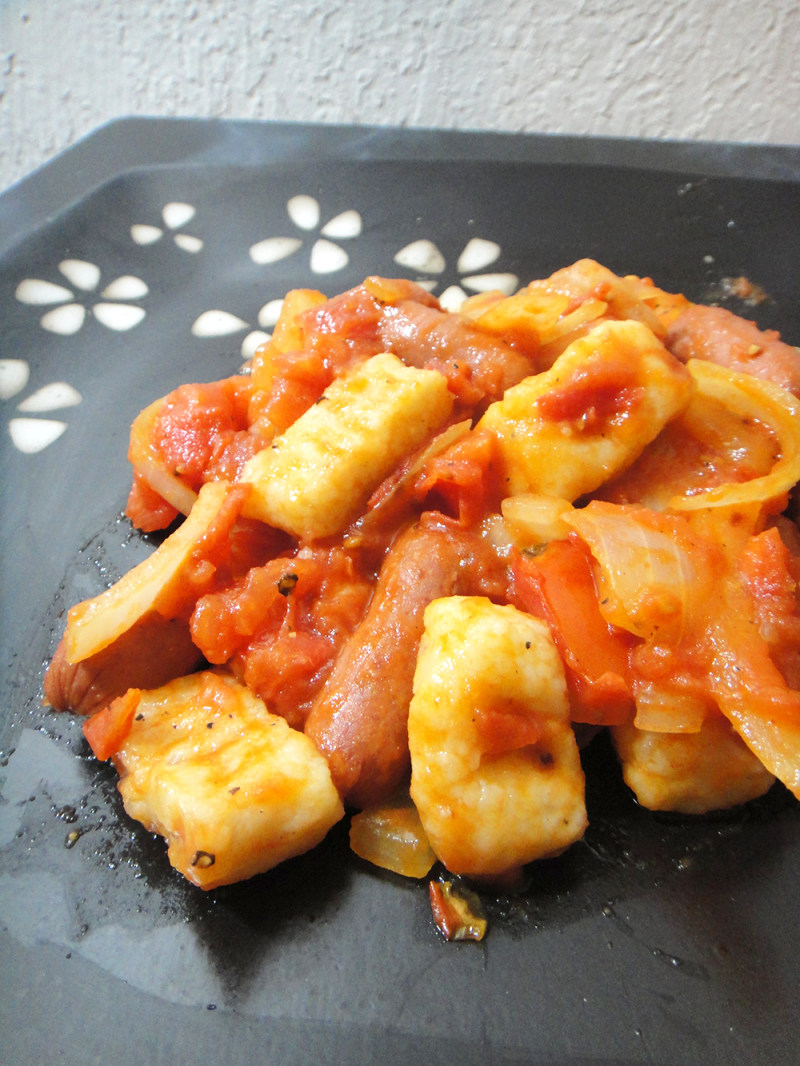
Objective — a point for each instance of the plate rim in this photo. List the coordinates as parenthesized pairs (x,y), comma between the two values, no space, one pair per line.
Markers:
(135,142)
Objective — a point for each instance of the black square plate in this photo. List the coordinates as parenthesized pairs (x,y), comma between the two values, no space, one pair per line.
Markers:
(150,255)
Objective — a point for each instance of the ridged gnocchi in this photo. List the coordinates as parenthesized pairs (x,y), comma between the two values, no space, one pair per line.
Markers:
(690,773)
(317,475)
(495,770)
(232,788)
(569,429)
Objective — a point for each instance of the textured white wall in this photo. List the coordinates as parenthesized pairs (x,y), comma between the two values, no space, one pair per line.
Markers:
(696,69)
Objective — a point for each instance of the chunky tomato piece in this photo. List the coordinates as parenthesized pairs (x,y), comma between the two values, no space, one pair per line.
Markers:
(282,624)
(597,393)
(345,328)
(505,727)
(558,586)
(146,509)
(107,729)
(298,380)
(201,431)
(462,481)
(769,574)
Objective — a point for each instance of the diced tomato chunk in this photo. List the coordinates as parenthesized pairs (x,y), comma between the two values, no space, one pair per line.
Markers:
(768,572)
(462,481)
(597,393)
(282,624)
(107,729)
(201,431)
(558,586)
(298,380)
(146,509)
(509,728)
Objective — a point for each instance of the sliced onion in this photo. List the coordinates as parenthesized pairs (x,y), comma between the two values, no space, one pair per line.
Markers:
(408,473)
(94,624)
(392,837)
(774,738)
(534,520)
(588,311)
(749,398)
(645,573)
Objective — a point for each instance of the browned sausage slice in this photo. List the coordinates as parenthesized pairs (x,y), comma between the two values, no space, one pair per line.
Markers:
(360,719)
(719,336)
(153,651)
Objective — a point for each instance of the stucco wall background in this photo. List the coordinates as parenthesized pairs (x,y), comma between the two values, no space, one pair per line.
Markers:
(692,69)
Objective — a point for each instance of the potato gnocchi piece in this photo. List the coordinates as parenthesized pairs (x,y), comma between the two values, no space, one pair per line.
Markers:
(566,431)
(690,773)
(495,771)
(232,788)
(319,473)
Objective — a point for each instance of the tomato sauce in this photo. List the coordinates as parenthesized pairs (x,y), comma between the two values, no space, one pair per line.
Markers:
(599,392)
(146,509)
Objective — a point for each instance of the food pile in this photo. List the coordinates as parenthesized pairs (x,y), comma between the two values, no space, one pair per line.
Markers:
(423,554)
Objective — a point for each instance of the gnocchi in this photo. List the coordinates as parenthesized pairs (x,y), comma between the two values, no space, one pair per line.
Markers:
(495,772)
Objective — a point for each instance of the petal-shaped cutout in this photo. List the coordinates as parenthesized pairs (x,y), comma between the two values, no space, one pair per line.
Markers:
(14,376)
(303,211)
(429,284)
(422,255)
(118,316)
(146,234)
(188,243)
(270,313)
(477,254)
(127,287)
(65,320)
(452,298)
(327,257)
(51,397)
(217,324)
(35,291)
(252,341)
(177,214)
(34,434)
(82,274)
(348,224)
(274,248)
(506,283)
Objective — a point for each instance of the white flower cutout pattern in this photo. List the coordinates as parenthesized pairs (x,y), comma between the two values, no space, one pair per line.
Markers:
(424,257)
(174,215)
(72,307)
(34,434)
(326,255)
(224,324)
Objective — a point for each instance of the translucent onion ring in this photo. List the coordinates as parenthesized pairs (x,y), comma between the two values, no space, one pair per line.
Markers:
(753,398)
